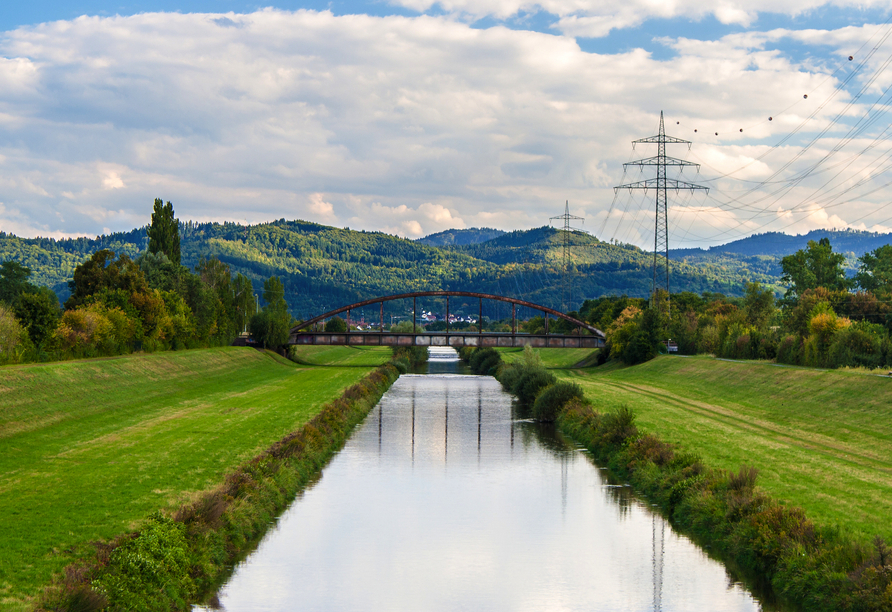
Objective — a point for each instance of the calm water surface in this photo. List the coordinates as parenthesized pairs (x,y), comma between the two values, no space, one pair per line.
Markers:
(442,501)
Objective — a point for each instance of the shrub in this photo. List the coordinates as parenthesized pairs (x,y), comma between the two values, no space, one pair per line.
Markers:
(819,569)
(412,355)
(823,327)
(856,346)
(553,399)
(744,479)
(709,341)
(531,383)
(479,356)
(490,365)
(619,425)
(622,329)
(87,330)
(401,364)
(639,348)
(790,350)
(150,570)
(13,337)
(336,325)
(764,347)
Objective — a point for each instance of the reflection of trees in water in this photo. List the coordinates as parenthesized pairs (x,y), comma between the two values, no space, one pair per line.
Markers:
(520,411)
(545,435)
(622,496)
(549,437)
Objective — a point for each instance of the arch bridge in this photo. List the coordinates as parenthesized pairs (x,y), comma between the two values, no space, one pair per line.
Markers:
(584,336)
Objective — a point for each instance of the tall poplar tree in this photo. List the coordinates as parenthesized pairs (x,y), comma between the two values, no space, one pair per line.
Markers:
(164,232)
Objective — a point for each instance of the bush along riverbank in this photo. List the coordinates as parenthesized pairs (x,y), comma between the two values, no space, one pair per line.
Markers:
(817,568)
(176,560)
(406,358)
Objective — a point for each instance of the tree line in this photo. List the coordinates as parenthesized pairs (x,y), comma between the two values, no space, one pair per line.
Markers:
(152,302)
(824,319)
(325,267)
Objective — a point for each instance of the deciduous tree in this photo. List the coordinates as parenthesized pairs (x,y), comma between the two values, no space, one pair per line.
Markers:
(270,326)
(39,314)
(815,266)
(875,271)
(758,304)
(13,280)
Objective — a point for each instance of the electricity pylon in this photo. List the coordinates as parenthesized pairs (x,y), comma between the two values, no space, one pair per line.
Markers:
(661,184)
(566,289)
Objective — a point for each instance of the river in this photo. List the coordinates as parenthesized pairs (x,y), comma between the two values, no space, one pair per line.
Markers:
(442,500)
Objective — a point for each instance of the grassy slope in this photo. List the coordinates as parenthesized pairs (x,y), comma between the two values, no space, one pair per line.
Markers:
(342,356)
(551,358)
(90,448)
(822,439)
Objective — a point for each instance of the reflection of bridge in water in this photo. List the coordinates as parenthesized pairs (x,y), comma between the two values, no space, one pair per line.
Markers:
(582,336)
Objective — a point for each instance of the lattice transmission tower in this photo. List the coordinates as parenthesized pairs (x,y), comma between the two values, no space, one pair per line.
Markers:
(566,285)
(661,184)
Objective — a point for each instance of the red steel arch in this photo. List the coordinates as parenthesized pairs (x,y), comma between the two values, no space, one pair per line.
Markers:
(483,296)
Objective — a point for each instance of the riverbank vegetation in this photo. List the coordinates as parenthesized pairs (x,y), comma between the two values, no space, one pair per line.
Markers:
(90,449)
(119,305)
(819,442)
(821,439)
(819,568)
(825,319)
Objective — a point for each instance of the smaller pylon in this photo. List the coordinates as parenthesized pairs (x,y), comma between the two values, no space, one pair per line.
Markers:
(566,288)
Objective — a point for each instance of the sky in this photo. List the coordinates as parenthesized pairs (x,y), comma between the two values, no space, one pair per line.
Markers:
(416,116)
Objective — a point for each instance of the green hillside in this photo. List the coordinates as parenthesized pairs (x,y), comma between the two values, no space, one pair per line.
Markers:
(325,267)
(762,253)
(456,237)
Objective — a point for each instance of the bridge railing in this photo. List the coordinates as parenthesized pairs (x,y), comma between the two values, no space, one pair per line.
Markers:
(453,339)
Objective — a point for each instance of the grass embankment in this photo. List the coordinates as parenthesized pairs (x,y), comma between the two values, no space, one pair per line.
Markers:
(90,449)
(555,359)
(820,434)
(821,439)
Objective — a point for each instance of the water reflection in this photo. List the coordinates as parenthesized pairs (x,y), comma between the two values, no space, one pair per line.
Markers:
(432,506)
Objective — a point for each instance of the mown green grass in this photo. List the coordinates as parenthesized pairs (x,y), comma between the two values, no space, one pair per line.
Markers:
(821,439)
(343,356)
(552,358)
(88,449)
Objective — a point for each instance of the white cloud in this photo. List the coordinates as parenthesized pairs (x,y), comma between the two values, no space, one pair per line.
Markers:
(112,181)
(596,18)
(410,125)
(322,211)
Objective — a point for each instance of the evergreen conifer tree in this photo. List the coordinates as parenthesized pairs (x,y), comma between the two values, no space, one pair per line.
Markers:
(164,232)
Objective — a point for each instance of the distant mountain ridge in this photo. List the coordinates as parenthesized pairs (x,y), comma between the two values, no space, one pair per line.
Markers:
(762,253)
(850,242)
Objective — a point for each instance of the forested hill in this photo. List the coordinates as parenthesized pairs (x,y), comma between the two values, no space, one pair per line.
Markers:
(762,253)
(325,267)
(458,237)
(853,243)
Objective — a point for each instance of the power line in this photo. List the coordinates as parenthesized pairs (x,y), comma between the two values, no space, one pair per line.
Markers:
(565,283)
(661,184)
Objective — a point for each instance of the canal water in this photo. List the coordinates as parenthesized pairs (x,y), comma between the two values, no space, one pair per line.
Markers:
(442,500)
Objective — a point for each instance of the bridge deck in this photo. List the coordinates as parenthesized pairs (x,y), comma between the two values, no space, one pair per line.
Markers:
(453,339)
